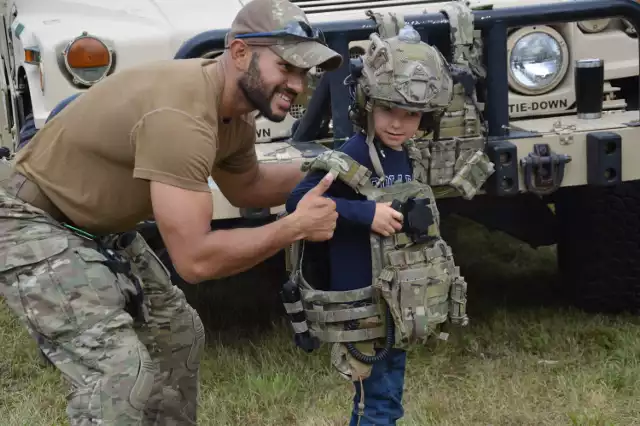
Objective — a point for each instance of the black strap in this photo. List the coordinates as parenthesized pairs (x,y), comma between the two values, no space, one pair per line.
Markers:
(119,265)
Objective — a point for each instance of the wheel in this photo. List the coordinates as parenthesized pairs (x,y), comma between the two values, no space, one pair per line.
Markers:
(599,247)
(250,298)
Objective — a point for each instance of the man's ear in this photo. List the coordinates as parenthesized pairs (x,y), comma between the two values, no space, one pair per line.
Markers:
(240,54)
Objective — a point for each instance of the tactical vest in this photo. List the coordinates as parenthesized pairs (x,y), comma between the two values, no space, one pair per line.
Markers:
(459,135)
(460,164)
(463,117)
(416,285)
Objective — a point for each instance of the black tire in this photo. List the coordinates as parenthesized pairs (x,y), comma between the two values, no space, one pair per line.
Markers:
(599,247)
(248,300)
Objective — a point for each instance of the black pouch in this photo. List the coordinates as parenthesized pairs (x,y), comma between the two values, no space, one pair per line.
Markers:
(418,218)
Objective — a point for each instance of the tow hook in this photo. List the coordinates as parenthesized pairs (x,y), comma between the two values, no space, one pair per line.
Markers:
(543,169)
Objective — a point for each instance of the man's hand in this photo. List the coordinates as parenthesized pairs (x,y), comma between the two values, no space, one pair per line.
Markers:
(387,220)
(198,253)
(316,216)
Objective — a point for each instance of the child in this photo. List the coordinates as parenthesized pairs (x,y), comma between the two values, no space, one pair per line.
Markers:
(381,147)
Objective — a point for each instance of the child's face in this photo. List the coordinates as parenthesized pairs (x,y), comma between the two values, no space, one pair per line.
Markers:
(394,126)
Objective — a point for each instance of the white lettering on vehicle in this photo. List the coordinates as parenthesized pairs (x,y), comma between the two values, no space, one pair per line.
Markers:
(263,133)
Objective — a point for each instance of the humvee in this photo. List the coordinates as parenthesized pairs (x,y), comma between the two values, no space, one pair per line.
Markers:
(560,176)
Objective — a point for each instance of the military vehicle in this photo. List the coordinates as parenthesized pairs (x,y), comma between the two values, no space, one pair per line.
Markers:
(533,112)
(570,157)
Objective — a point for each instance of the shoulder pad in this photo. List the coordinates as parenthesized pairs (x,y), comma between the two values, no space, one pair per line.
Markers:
(342,166)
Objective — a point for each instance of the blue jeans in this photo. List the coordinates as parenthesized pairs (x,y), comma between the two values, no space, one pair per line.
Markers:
(382,392)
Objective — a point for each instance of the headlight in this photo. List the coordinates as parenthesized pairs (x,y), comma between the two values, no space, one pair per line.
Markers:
(88,59)
(538,59)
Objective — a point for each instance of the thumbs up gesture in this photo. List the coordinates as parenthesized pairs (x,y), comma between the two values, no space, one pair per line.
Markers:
(316,215)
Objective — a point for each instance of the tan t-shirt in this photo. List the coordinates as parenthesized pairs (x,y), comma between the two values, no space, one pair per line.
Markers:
(158,122)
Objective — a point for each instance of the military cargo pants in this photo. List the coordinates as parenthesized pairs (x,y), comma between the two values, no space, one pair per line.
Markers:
(122,371)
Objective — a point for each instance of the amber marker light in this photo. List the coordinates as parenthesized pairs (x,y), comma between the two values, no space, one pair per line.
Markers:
(32,57)
(88,59)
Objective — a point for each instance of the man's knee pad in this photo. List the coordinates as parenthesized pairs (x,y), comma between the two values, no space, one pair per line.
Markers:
(197,347)
(143,385)
(119,396)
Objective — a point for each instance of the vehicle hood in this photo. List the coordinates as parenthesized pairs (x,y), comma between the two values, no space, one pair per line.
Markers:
(176,20)
(172,22)
(343,10)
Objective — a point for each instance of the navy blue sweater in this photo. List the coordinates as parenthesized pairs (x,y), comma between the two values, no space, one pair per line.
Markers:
(349,250)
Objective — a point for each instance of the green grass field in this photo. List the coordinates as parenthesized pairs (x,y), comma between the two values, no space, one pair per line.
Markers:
(524,360)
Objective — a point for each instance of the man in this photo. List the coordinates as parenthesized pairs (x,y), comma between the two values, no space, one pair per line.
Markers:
(140,144)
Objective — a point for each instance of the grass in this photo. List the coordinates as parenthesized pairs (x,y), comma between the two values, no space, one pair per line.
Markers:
(525,359)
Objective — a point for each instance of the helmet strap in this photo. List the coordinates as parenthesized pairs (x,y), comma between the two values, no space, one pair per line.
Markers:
(373,152)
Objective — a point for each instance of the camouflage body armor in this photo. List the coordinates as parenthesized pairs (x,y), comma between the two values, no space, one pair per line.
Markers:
(459,136)
(463,118)
(416,286)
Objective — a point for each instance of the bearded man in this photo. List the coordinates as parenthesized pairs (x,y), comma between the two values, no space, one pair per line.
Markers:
(142,144)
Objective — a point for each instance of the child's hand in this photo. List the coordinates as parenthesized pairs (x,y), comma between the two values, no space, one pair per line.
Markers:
(387,220)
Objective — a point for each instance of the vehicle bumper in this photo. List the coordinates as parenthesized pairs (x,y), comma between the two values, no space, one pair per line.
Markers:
(565,135)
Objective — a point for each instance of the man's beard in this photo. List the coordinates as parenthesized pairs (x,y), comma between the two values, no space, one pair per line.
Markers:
(257,94)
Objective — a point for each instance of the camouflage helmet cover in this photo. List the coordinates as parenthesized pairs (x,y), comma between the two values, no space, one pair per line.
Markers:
(403,71)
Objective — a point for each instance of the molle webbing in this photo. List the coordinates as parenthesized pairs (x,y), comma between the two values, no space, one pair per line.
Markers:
(458,301)
(326,297)
(295,311)
(347,336)
(466,49)
(401,258)
(461,23)
(342,315)
(413,271)
(342,167)
(329,311)
(460,163)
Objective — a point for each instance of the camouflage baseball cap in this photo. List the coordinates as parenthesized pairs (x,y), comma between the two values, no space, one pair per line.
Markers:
(284,28)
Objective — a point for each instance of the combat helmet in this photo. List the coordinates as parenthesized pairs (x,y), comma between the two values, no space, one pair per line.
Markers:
(397,71)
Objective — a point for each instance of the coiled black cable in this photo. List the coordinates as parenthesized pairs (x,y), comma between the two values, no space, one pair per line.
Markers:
(390,340)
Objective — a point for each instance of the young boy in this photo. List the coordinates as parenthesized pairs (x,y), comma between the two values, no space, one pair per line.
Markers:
(387,126)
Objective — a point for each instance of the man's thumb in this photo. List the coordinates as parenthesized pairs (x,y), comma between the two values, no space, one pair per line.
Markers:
(323,185)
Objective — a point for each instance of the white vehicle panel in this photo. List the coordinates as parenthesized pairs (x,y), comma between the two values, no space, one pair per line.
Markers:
(141,31)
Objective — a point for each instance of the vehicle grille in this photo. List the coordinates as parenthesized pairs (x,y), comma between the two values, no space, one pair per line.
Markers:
(297,110)
(324,6)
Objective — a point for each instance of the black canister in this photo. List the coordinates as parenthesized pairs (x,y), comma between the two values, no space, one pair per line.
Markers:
(589,85)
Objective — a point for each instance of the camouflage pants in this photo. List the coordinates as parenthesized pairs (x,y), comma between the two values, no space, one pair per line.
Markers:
(122,372)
